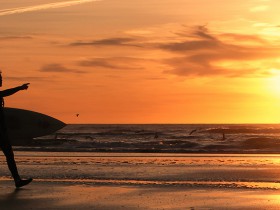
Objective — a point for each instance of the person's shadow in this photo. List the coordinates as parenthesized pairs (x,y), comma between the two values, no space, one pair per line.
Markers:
(22,198)
(12,195)
(12,199)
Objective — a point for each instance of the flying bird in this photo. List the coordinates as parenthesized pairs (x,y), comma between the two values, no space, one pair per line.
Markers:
(192,131)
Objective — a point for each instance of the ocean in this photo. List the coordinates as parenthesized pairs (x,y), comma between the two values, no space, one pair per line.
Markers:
(162,138)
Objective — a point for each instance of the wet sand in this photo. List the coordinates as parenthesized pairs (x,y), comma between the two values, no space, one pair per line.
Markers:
(143,181)
(55,195)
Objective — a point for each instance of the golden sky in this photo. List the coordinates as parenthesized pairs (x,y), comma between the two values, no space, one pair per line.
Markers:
(144,61)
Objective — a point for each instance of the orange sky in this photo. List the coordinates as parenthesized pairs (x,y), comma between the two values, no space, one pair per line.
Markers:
(148,61)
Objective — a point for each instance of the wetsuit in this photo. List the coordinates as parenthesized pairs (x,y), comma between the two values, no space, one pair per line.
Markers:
(5,143)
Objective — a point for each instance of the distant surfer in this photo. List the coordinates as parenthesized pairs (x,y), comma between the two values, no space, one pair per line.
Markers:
(156,135)
(5,143)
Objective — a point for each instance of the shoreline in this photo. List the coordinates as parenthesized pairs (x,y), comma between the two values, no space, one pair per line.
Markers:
(30,149)
(144,154)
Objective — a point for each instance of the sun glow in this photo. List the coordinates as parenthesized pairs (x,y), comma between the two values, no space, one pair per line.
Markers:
(273,83)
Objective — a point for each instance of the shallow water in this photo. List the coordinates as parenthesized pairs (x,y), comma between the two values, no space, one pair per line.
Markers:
(233,171)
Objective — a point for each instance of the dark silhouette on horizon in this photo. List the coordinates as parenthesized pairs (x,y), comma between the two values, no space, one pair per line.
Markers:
(5,143)
(156,135)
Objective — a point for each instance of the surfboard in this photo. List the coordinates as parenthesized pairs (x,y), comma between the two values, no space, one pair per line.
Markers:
(24,125)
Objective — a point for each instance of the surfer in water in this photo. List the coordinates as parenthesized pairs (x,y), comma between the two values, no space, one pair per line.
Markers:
(5,143)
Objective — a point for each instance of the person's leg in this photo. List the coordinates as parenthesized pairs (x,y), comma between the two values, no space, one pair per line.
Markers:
(9,154)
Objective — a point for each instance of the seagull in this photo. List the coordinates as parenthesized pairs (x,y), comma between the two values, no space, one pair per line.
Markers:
(192,131)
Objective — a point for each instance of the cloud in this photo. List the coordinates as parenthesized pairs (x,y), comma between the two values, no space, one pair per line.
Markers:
(206,54)
(43,7)
(119,41)
(243,38)
(260,8)
(201,66)
(194,51)
(199,39)
(55,67)
(202,32)
(121,63)
(190,45)
(155,78)
(26,79)
(14,37)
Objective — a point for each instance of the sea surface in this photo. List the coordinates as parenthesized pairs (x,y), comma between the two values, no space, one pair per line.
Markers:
(162,138)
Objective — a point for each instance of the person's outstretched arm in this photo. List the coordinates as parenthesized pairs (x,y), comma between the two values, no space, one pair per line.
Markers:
(12,91)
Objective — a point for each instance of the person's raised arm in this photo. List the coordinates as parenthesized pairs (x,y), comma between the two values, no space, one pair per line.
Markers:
(12,91)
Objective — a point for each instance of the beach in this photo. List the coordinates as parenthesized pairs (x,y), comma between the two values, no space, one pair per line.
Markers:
(83,180)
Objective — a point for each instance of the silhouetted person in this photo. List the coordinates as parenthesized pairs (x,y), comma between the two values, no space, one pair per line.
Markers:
(156,135)
(5,143)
